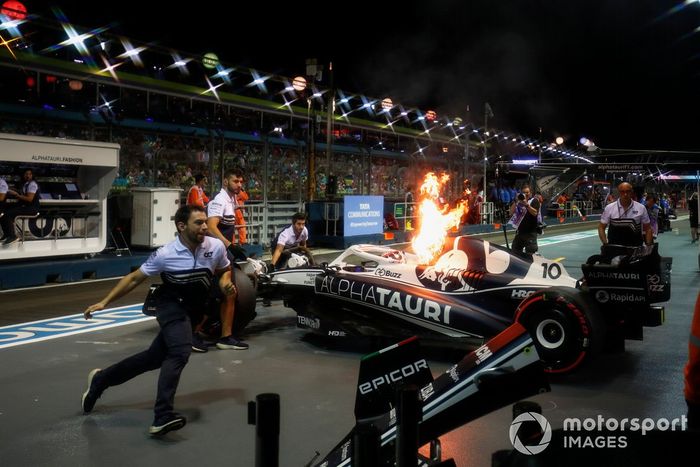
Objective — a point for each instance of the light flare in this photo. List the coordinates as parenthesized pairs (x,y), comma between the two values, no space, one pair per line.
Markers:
(6,43)
(436,218)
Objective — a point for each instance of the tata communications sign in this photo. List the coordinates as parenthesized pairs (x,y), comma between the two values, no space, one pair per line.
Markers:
(363,215)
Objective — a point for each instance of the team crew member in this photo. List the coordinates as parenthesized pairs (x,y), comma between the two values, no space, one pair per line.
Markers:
(240,218)
(525,218)
(27,203)
(3,194)
(693,216)
(221,222)
(291,240)
(196,195)
(692,371)
(3,190)
(187,266)
(222,212)
(627,219)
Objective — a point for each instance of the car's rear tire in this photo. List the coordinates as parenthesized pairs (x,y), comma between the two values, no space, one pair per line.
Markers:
(566,327)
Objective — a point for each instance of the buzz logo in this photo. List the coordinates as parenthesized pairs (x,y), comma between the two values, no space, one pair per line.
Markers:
(545,428)
(208,254)
(655,284)
(520,293)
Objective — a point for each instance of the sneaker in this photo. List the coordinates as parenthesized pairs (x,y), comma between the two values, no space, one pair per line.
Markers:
(167,423)
(198,344)
(10,240)
(230,342)
(91,394)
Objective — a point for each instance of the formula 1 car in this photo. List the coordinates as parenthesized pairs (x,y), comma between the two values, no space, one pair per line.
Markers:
(472,292)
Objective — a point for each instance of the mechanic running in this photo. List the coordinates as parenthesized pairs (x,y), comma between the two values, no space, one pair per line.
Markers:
(187,266)
(628,221)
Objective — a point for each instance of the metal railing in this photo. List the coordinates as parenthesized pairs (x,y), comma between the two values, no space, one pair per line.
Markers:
(331,214)
(264,220)
(578,208)
(487,210)
(405,215)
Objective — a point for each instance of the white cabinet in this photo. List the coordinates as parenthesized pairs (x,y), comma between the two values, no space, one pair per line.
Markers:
(152,223)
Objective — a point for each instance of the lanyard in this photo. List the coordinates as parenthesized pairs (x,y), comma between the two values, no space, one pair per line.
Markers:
(619,208)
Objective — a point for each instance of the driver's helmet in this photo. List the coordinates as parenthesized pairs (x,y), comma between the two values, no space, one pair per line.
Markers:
(395,256)
(296,261)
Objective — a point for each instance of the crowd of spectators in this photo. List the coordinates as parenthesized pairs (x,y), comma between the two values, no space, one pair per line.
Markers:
(171,159)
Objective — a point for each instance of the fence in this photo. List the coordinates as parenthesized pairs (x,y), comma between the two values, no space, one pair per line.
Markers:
(264,220)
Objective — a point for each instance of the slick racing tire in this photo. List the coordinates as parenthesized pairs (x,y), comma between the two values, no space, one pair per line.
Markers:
(245,301)
(565,325)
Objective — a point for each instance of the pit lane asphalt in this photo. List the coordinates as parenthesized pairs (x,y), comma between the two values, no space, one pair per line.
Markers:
(41,421)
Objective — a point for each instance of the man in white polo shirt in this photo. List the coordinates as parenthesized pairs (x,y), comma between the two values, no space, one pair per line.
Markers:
(627,221)
(3,190)
(291,240)
(3,194)
(221,222)
(27,203)
(221,212)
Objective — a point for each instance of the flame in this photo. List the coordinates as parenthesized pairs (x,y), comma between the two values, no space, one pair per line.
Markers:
(435,220)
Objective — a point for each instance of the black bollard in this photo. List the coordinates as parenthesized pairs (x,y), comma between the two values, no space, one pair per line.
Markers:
(366,446)
(409,414)
(264,413)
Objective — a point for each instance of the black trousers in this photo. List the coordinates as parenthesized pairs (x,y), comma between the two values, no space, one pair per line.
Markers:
(526,241)
(169,351)
(8,220)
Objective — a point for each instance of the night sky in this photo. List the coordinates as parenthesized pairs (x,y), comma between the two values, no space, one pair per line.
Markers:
(624,73)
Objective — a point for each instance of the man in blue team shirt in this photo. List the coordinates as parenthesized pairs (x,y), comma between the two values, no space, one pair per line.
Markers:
(188,266)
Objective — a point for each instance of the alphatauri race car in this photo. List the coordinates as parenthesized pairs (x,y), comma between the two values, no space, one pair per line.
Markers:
(474,291)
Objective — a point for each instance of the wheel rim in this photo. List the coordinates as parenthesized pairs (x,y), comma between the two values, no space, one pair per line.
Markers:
(550,334)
